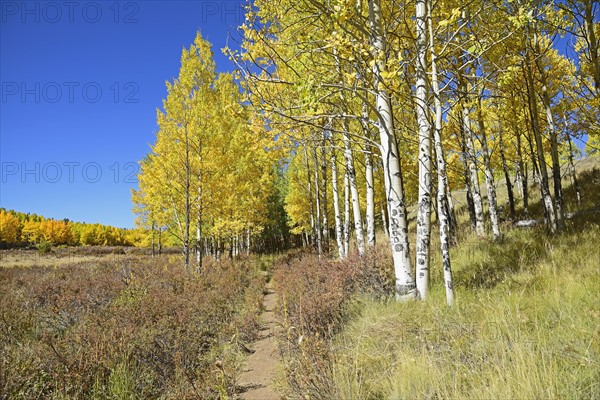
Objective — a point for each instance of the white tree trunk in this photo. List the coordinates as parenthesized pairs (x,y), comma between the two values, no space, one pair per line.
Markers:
(571,164)
(358,229)
(370,199)
(370,212)
(350,171)
(489,176)
(405,282)
(473,176)
(556,176)
(518,180)
(325,225)
(199,245)
(318,206)
(422,110)
(199,229)
(186,235)
(310,198)
(247,241)
(443,203)
(544,187)
(346,214)
(522,176)
(509,185)
(336,208)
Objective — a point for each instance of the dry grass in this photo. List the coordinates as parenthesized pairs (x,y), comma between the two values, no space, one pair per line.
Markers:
(526,325)
(124,326)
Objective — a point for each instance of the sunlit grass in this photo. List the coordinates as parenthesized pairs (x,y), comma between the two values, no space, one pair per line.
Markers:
(526,323)
(532,330)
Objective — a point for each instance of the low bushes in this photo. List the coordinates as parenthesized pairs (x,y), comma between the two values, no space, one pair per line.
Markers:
(133,327)
(314,300)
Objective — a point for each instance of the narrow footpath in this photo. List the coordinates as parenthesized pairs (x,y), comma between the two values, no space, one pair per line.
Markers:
(256,379)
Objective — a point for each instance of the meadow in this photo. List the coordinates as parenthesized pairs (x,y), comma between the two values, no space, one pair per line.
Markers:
(103,323)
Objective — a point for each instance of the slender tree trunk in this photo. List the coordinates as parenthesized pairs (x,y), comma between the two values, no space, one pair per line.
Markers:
(525,168)
(404,276)
(572,165)
(384,220)
(310,199)
(186,235)
(318,206)
(358,229)
(159,241)
(199,241)
(473,175)
(520,174)
(370,198)
(370,189)
(590,26)
(434,206)
(152,239)
(556,175)
(466,175)
(535,170)
(199,228)
(422,110)
(442,177)
(544,187)
(336,207)
(452,214)
(351,172)
(388,211)
(346,214)
(509,187)
(325,226)
(248,241)
(489,176)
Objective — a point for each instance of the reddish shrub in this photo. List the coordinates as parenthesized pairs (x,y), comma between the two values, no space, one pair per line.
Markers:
(313,298)
(132,325)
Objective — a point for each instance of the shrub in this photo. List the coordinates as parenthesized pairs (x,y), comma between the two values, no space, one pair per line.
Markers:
(133,327)
(44,247)
(314,298)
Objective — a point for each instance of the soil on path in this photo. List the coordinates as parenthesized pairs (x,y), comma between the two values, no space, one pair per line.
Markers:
(256,379)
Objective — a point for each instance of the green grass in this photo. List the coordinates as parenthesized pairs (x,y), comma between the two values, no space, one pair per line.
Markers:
(526,323)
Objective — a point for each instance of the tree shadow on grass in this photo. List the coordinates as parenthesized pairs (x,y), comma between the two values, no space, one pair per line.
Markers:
(487,263)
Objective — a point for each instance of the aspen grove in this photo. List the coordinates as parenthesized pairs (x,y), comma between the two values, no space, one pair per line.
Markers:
(342,116)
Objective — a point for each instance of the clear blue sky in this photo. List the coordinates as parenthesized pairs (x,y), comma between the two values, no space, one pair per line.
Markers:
(81,81)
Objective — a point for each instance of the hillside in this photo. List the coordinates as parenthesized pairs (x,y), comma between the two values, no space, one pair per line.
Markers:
(525,324)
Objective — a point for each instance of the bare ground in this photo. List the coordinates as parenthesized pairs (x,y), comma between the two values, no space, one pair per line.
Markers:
(256,379)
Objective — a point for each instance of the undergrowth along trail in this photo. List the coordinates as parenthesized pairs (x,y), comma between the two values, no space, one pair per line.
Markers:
(135,327)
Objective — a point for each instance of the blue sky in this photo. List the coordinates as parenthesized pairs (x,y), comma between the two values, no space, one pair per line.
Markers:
(81,81)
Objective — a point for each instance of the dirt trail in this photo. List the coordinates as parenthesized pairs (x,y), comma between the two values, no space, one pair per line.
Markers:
(256,379)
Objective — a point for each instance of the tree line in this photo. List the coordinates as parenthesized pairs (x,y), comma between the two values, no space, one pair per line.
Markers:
(24,229)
